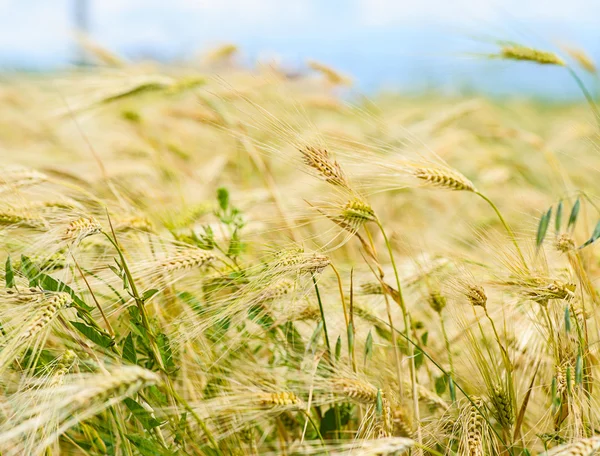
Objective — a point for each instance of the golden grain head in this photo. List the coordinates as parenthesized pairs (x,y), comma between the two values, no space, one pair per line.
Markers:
(524,53)
(187,259)
(279,399)
(357,211)
(358,390)
(476,295)
(582,59)
(444,178)
(324,165)
(564,243)
(81,228)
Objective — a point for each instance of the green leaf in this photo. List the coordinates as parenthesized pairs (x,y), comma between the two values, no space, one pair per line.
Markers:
(51,284)
(191,301)
(569,381)
(48,283)
(223,198)
(440,384)
(148,294)
(93,334)
(164,347)
(558,217)
(259,315)
(379,403)
(419,358)
(129,352)
(579,370)
(567,320)
(593,238)
(424,338)
(315,335)
(368,346)
(9,274)
(146,447)
(143,415)
(218,329)
(338,348)
(293,337)
(574,214)
(235,244)
(543,227)
(329,424)
(31,271)
(350,337)
(452,389)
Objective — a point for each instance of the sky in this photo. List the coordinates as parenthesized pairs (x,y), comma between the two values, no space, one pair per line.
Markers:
(397,44)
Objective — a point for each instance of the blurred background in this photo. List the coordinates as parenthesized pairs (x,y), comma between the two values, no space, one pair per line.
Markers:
(400,45)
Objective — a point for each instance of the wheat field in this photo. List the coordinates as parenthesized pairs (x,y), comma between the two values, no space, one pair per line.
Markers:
(210,259)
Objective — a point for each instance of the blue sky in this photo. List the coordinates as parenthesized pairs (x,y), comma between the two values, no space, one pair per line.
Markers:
(382,43)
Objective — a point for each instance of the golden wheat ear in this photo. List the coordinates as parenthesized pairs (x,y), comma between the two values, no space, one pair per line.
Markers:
(444,178)
(524,53)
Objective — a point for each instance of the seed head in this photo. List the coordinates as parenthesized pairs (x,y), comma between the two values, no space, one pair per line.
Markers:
(371,288)
(18,176)
(444,178)
(48,309)
(296,259)
(360,391)
(564,243)
(437,301)
(325,166)
(584,60)
(503,408)
(476,295)
(332,76)
(284,398)
(81,228)
(187,259)
(475,424)
(518,52)
(15,216)
(357,212)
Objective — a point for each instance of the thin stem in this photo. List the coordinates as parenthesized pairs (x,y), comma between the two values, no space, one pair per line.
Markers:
(508,229)
(405,316)
(586,94)
(449,351)
(323,318)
